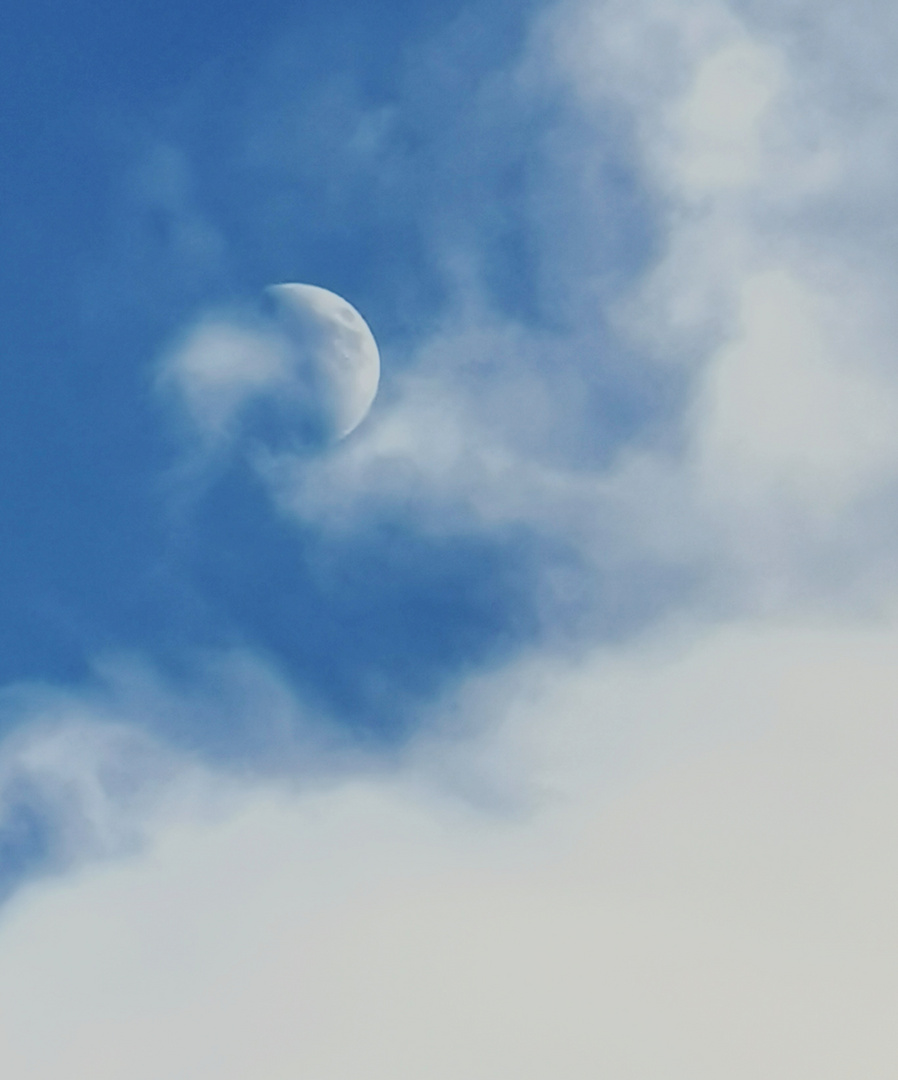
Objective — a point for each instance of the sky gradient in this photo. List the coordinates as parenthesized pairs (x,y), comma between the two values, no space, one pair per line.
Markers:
(542,727)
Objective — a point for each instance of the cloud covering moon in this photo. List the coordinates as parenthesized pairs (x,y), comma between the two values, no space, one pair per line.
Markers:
(338,346)
(305,370)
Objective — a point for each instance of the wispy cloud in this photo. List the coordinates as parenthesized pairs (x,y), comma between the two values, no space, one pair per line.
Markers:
(218,368)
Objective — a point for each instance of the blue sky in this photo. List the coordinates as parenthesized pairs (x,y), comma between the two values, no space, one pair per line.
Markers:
(540,727)
(162,207)
(363,150)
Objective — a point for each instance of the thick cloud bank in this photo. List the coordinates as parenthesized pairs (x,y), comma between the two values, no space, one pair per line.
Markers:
(660,854)
(726,913)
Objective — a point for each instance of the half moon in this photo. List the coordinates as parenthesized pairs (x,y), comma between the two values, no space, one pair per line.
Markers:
(338,344)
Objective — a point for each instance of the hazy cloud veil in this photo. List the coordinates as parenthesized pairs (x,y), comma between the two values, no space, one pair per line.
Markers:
(652,835)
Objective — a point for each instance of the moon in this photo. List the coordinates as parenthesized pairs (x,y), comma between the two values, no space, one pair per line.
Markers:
(336,348)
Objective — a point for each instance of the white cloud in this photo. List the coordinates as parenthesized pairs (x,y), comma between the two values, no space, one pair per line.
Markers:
(715,126)
(219,367)
(787,402)
(720,911)
(760,293)
(758,300)
(669,858)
